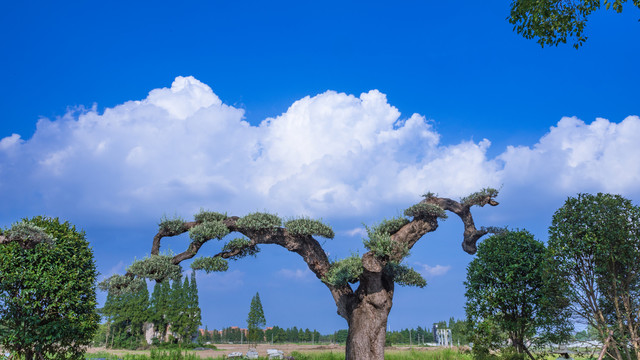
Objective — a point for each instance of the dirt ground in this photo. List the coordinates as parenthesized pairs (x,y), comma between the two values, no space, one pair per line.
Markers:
(224,349)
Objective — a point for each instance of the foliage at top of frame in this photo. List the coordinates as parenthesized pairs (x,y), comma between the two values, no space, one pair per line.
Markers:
(404,275)
(243,245)
(307,226)
(344,271)
(422,210)
(205,216)
(210,263)
(259,221)
(479,197)
(156,267)
(174,225)
(28,234)
(208,230)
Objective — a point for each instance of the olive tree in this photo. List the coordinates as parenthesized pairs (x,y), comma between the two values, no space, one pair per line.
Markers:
(595,243)
(47,290)
(364,306)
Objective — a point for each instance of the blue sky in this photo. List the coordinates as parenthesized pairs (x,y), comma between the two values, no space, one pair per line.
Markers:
(116,113)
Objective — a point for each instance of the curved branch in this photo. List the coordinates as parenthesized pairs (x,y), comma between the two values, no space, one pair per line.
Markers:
(471,234)
(155,248)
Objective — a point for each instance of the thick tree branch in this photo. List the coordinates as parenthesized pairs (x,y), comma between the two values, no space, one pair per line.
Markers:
(155,248)
(304,245)
(471,234)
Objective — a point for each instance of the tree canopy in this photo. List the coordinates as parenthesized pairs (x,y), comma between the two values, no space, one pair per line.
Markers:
(595,243)
(47,289)
(552,22)
(511,288)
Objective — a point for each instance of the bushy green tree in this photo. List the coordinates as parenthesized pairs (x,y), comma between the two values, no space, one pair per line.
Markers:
(552,22)
(256,320)
(47,290)
(513,287)
(595,243)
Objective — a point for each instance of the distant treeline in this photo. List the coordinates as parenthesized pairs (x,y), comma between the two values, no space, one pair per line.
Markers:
(294,334)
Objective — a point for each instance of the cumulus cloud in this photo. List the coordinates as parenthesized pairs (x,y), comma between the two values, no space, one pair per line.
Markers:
(577,156)
(332,154)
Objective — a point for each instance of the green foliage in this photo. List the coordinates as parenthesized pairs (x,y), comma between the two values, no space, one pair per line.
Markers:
(209,216)
(345,271)
(392,225)
(243,245)
(555,21)
(405,275)
(256,320)
(259,221)
(120,283)
(422,210)
(156,267)
(306,226)
(208,230)
(512,285)
(174,225)
(479,197)
(379,238)
(126,312)
(47,293)
(594,241)
(210,264)
(429,195)
(27,234)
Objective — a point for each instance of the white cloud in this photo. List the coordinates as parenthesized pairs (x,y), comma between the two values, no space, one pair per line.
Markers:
(574,156)
(295,274)
(328,155)
(432,271)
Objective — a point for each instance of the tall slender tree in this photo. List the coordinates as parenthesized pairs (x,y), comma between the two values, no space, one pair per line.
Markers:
(366,307)
(256,320)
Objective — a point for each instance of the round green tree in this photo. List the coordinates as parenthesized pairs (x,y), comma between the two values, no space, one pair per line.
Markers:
(513,292)
(47,290)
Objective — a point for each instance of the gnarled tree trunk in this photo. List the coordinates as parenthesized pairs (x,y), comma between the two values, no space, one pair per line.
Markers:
(368,327)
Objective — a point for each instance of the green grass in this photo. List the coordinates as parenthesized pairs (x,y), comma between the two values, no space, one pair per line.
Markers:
(445,354)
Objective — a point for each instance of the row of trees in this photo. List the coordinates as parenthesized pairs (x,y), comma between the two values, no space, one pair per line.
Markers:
(172,309)
(273,334)
(521,291)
